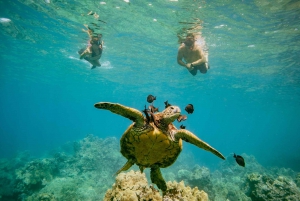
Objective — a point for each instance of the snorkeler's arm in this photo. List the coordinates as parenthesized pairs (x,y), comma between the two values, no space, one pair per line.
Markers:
(180,62)
(83,55)
(202,56)
(86,51)
(180,57)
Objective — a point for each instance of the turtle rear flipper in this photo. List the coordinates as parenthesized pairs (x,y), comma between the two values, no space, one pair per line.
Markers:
(125,167)
(193,139)
(127,112)
(157,179)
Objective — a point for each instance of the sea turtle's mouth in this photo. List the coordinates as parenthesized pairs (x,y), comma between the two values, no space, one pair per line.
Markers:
(175,110)
(177,114)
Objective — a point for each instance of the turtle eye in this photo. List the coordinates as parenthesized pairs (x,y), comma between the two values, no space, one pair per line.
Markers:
(172,107)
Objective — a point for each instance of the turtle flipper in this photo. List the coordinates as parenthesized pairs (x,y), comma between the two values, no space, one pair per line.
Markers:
(125,167)
(157,178)
(130,113)
(193,139)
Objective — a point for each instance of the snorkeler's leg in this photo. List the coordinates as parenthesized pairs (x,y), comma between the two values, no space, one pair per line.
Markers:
(94,63)
(203,68)
(207,66)
(95,60)
(98,63)
(81,51)
(194,71)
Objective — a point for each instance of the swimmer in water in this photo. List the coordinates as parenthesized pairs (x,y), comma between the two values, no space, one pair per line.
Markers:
(194,56)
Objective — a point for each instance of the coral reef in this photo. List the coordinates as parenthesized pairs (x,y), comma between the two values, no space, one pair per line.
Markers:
(133,186)
(298,180)
(6,178)
(35,174)
(197,177)
(263,187)
(84,171)
(178,191)
(85,175)
(286,172)
(7,175)
(229,180)
(42,197)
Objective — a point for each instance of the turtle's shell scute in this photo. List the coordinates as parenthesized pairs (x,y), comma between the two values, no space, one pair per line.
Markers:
(149,146)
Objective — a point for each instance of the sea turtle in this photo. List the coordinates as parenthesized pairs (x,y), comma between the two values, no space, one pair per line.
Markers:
(153,142)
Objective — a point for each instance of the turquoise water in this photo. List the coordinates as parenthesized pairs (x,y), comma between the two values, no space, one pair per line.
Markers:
(248,102)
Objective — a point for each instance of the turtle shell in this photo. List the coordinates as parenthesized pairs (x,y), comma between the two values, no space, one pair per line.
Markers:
(149,146)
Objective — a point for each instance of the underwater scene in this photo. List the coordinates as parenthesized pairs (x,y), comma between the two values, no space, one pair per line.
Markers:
(146,100)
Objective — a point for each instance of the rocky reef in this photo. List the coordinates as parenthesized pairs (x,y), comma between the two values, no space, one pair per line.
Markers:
(263,187)
(83,175)
(231,182)
(197,177)
(178,191)
(133,186)
(298,180)
(8,176)
(85,170)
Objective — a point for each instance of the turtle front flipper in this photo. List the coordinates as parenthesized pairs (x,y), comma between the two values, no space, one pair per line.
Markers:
(157,179)
(130,113)
(193,139)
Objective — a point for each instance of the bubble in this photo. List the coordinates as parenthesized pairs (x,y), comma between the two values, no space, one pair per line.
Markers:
(4,20)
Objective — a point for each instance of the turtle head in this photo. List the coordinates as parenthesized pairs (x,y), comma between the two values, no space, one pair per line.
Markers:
(171,113)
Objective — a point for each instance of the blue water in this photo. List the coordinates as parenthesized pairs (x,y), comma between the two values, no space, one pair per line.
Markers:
(248,102)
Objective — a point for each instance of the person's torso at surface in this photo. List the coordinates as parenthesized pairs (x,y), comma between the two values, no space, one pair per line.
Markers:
(191,54)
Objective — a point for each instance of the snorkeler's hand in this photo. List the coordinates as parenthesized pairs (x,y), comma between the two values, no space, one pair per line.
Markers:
(189,66)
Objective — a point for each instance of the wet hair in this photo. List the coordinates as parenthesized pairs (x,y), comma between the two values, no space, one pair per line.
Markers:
(190,35)
(90,29)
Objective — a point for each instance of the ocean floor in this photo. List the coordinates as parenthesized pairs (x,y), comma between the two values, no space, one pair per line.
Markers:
(85,170)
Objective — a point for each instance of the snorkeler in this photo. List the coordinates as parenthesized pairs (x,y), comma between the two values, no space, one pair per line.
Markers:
(92,53)
(194,56)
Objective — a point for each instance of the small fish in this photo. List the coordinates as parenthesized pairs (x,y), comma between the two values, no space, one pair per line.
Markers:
(146,114)
(182,126)
(189,109)
(153,109)
(167,104)
(151,98)
(239,160)
(182,118)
